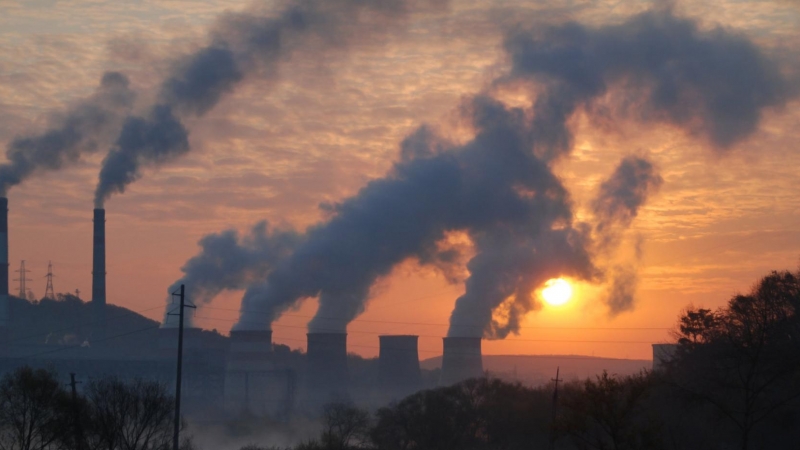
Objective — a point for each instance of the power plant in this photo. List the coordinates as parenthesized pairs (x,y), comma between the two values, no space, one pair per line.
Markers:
(240,374)
(398,364)
(327,363)
(255,383)
(461,359)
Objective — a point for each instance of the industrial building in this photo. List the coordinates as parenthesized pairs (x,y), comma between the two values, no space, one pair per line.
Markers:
(222,376)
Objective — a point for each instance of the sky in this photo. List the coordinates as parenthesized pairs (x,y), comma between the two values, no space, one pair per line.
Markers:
(284,146)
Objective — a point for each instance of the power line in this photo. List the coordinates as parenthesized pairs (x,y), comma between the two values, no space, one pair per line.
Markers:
(439,337)
(443,324)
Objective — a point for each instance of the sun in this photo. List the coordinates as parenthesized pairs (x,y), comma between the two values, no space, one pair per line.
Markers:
(557,291)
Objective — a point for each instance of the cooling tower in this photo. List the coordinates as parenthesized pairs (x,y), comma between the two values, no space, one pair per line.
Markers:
(461,359)
(327,362)
(4,269)
(250,346)
(253,382)
(99,259)
(398,363)
(663,354)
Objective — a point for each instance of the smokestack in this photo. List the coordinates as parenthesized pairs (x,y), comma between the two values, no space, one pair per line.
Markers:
(327,362)
(4,269)
(99,259)
(461,359)
(398,363)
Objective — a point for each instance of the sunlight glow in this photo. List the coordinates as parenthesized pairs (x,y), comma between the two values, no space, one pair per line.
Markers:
(557,291)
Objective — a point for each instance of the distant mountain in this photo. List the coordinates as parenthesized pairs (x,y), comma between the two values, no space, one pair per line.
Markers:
(535,370)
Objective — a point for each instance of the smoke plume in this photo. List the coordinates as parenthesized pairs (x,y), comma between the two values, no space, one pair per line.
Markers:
(241,45)
(490,186)
(499,187)
(228,261)
(84,128)
(714,84)
(620,197)
(617,203)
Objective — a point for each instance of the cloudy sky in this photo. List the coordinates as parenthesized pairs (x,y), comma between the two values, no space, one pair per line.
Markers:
(326,122)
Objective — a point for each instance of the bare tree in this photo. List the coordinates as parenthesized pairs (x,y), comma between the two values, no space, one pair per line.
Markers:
(134,415)
(344,423)
(609,413)
(34,410)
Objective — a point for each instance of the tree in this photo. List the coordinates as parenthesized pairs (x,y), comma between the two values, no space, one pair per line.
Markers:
(475,414)
(745,362)
(609,413)
(344,423)
(696,326)
(133,415)
(34,410)
(437,419)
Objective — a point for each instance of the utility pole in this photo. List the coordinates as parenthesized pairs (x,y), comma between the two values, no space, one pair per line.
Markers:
(76,414)
(23,277)
(48,291)
(176,434)
(555,409)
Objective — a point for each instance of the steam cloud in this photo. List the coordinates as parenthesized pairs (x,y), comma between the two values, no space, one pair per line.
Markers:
(499,187)
(488,184)
(228,261)
(84,128)
(711,83)
(242,44)
(616,205)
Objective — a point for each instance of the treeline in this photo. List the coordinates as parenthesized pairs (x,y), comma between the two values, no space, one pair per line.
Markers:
(732,383)
(38,412)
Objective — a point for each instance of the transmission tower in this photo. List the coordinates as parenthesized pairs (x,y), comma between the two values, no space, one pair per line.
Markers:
(23,277)
(48,292)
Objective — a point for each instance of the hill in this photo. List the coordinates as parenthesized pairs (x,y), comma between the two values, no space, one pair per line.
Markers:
(38,327)
(535,370)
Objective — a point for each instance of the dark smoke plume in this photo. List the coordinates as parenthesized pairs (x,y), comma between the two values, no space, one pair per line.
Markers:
(228,261)
(85,128)
(714,84)
(617,203)
(242,44)
(624,279)
(620,197)
(499,187)
(492,186)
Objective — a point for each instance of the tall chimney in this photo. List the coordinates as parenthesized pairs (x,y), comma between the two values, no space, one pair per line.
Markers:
(461,359)
(4,319)
(327,362)
(99,259)
(398,363)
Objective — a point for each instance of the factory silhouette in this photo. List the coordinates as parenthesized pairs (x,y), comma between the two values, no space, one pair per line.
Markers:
(241,373)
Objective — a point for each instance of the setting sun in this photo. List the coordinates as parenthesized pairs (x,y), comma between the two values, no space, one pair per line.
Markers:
(557,291)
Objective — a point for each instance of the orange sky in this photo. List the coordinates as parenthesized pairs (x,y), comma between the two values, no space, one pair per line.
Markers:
(326,127)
